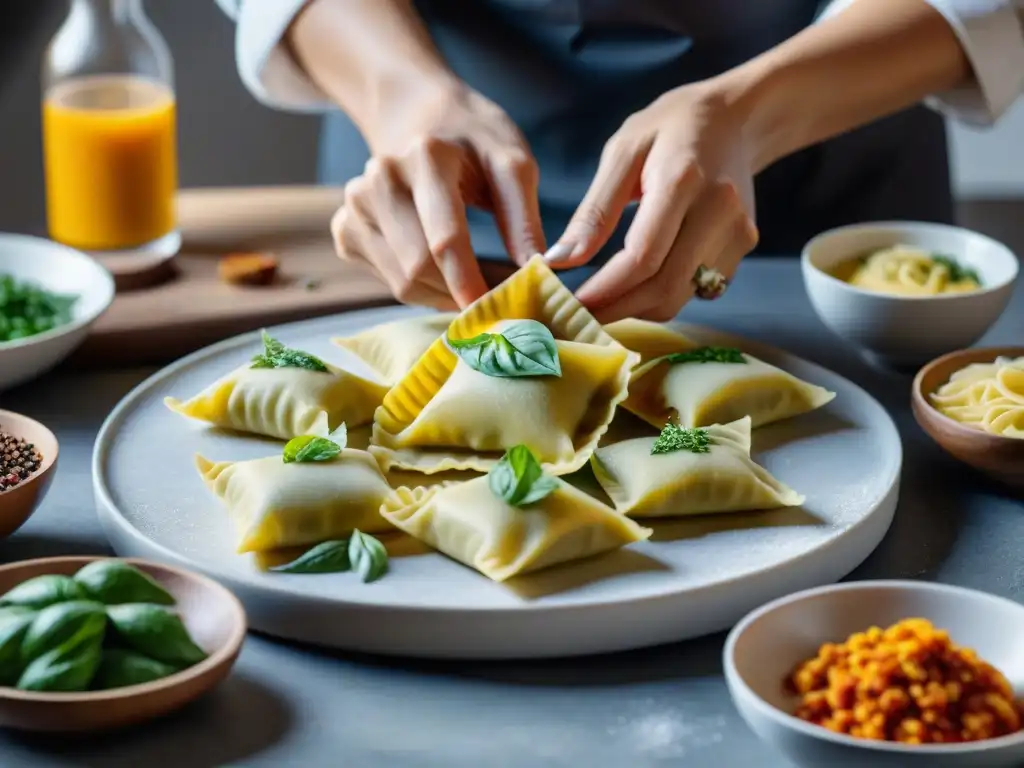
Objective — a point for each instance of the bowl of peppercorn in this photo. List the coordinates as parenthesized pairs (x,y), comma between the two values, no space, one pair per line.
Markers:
(28,458)
(50,295)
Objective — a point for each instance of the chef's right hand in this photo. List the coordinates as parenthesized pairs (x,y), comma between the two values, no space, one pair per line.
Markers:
(406,214)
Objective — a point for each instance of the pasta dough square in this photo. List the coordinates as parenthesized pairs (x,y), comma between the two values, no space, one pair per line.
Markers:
(682,482)
(468,523)
(445,415)
(284,402)
(275,505)
(701,393)
(393,348)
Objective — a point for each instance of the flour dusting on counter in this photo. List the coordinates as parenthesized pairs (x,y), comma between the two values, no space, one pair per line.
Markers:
(667,733)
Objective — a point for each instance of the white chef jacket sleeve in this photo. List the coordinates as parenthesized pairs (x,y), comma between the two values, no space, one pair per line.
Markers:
(266,67)
(992,34)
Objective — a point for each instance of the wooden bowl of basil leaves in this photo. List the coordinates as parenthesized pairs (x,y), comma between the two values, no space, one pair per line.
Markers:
(92,643)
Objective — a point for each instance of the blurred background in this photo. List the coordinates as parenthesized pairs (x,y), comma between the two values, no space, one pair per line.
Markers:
(227,139)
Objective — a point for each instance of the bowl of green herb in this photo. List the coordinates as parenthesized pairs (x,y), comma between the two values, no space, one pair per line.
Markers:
(93,643)
(49,297)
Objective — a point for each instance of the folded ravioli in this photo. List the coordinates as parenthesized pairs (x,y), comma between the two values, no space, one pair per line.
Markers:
(446,414)
(700,385)
(534,292)
(393,348)
(649,339)
(398,478)
(715,474)
(275,505)
(284,401)
(468,523)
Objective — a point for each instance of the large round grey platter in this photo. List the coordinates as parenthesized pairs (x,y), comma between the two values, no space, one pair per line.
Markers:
(696,575)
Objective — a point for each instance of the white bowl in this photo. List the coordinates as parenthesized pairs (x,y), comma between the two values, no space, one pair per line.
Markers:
(908,331)
(765,647)
(59,269)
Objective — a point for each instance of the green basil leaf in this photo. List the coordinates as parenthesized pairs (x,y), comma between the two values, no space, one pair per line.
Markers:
(518,478)
(43,591)
(13,611)
(707,355)
(328,557)
(310,448)
(155,632)
(119,668)
(277,355)
(112,581)
(525,348)
(676,438)
(67,669)
(543,486)
(368,556)
(63,624)
(13,627)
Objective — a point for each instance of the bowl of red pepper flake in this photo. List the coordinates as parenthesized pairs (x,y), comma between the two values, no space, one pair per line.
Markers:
(28,458)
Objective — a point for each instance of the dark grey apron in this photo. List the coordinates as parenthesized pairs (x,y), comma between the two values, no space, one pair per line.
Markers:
(568,72)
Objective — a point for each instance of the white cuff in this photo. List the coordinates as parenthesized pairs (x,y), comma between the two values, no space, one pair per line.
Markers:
(992,35)
(993,39)
(266,67)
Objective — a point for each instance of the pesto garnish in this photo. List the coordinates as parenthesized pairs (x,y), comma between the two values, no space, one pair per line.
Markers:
(675,438)
(277,355)
(707,355)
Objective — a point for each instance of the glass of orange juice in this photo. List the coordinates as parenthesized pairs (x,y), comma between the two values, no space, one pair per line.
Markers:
(109,133)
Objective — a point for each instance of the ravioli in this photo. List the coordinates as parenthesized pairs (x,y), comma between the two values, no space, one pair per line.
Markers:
(649,339)
(398,478)
(683,482)
(284,402)
(534,292)
(707,391)
(468,523)
(275,505)
(393,348)
(447,415)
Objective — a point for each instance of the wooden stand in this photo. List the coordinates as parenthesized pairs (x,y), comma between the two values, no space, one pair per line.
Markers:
(138,272)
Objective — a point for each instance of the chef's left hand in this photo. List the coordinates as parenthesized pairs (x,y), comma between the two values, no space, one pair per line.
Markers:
(686,160)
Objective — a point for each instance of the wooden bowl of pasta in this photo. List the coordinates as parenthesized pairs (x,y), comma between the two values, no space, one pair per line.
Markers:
(973,407)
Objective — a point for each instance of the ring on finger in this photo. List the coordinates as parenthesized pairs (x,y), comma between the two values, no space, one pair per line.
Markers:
(709,284)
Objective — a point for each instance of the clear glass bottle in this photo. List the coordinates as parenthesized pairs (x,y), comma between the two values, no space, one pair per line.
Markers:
(109,133)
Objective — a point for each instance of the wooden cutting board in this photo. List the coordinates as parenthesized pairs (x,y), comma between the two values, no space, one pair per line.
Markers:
(195,308)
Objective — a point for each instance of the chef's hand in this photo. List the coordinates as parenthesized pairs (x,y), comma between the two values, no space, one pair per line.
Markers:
(406,215)
(685,159)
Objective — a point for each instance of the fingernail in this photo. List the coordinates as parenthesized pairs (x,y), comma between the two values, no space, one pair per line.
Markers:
(559,252)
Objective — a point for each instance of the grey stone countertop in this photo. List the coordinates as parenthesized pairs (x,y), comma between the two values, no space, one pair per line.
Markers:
(287,705)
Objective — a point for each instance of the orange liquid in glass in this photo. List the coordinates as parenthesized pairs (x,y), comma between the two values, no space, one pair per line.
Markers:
(109,145)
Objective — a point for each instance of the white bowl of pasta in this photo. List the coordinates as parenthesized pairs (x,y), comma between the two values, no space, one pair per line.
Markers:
(971,402)
(907,292)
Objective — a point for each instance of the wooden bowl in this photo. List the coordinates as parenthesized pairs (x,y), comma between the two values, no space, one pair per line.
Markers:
(18,503)
(214,617)
(1001,458)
